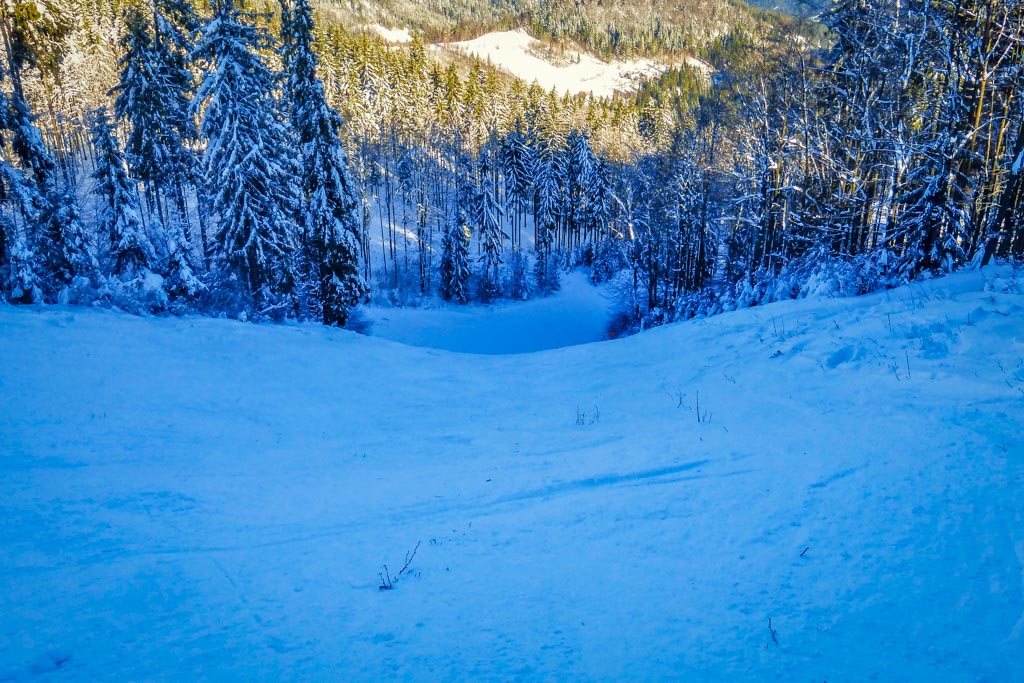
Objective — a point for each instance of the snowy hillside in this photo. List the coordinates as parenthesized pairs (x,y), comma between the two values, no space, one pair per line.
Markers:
(574,72)
(198,498)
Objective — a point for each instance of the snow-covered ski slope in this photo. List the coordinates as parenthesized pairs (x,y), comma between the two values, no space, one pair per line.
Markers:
(576,314)
(210,500)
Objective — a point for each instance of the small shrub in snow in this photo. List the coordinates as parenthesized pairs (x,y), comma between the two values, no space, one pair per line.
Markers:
(545,273)
(358,322)
(610,257)
(622,324)
(387,582)
(138,292)
(518,286)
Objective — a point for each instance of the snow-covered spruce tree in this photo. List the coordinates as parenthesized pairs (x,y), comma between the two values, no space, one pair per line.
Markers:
(596,218)
(517,167)
(518,286)
(34,39)
(331,208)
(153,95)
(20,282)
(19,207)
(488,221)
(580,166)
(455,248)
(248,170)
(27,143)
(66,250)
(131,253)
(548,184)
(60,249)
(32,186)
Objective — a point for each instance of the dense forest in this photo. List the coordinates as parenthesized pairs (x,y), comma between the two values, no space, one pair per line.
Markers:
(274,161)
(609,28)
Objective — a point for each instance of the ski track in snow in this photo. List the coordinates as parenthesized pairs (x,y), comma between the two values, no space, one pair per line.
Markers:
(202,498)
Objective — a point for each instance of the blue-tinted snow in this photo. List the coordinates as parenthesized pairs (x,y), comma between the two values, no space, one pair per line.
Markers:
(576,314)
(210,500)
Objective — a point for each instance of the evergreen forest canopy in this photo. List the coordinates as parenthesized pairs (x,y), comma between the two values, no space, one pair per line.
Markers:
(608,28)
(269,162)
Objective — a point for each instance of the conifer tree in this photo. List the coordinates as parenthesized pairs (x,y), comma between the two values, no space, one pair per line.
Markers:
(518,275)
(20,282)
(27,143)
(548,200)
(34,37)
(19,206)
(455,248)
(488,221)
(65,245)
(331,208)
(248,170)
(580,165)
(154,96)
(596,214)
(61,242)
(517,167)
(120,220)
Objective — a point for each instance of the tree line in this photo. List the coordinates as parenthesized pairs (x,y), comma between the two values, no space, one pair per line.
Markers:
(230,192)
(240,171)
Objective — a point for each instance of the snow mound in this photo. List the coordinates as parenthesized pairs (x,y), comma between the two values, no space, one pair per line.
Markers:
(811,490)
(522,55)
(577,314)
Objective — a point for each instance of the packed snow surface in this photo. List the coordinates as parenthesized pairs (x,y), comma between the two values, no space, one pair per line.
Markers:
(207,499)
(523,56)
(578,313)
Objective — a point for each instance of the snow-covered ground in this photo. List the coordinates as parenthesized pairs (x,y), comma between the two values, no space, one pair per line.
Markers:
(521,55)
(578,313)
(392,35)
(207,499)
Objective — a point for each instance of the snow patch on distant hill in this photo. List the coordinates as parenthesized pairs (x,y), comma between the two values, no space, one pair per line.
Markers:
(392,35)
(699,64)
(522,55)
